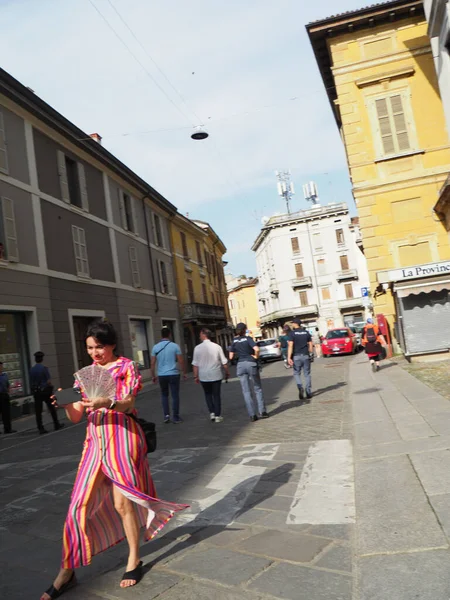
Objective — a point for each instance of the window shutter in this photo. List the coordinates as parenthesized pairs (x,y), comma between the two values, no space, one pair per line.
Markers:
(134,263)
(299,270)
(76,249)
(62,172)
(295,245)
(303,299)
(80,251)
(122,210)
(3,149)
(344,262)
(133,215)
(83,187)
(384,122)
(163,277)
(9,223)
(348,290)
(398,116)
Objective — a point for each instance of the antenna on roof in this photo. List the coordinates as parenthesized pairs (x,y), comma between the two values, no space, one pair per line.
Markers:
(285,188)
(310,193)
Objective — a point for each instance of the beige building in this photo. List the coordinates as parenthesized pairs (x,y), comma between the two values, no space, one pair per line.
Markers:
(243,303)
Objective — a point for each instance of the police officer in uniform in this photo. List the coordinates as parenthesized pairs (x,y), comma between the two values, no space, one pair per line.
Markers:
(247,352)
(300,347)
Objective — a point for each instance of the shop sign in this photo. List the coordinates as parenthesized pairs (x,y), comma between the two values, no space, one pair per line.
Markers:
(428,270)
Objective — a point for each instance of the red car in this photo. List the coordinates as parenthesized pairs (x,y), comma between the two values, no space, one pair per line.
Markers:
(339,341)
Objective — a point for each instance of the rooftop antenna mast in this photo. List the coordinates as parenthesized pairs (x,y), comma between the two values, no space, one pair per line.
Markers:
(285,187)
(310,193)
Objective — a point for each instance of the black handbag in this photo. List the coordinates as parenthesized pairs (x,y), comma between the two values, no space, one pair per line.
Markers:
(149,430)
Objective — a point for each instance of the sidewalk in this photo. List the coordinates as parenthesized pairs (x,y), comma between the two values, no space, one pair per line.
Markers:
(402,477)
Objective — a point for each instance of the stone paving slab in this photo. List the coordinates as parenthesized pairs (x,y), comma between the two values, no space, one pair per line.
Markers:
(338,558)
(284,545)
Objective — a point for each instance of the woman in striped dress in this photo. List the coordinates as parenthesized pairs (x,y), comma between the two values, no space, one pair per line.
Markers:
(113,495)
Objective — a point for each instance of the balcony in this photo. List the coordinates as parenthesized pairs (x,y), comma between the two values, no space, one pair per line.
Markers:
(301,282)
(350,303)
(347,274)
(196,310)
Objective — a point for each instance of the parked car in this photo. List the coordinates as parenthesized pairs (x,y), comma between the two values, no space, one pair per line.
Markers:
(358,336)
(339,341)
(269,349)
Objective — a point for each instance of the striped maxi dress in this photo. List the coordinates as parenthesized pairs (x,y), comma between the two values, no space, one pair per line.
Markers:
(114,453)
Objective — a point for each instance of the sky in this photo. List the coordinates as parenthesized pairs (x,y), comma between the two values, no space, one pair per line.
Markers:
(144,74)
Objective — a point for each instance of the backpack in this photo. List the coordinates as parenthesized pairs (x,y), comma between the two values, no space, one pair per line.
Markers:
(371,336)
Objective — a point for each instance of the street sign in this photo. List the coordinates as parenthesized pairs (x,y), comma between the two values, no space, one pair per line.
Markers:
(364,292)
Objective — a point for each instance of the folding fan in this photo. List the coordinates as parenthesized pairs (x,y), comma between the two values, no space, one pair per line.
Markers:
(96,382)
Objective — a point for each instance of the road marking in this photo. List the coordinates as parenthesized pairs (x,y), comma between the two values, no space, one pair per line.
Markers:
(326,492)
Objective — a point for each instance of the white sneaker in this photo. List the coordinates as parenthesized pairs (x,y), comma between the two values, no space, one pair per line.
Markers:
(212,416)
(219,419)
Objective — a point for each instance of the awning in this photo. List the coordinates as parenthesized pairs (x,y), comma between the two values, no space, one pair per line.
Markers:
(421,286)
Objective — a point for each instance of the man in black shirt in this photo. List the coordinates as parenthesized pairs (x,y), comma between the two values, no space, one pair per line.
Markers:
(42,389)
(300,347)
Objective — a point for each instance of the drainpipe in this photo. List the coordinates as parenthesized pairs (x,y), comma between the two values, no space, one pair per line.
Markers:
(150,255)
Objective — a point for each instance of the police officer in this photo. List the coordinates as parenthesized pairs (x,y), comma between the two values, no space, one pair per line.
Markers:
(247,352)
(42,389)
(300,348)
(5,408)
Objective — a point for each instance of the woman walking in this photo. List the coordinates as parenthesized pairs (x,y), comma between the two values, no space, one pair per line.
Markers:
(113,495)
(373,343)
(247,370)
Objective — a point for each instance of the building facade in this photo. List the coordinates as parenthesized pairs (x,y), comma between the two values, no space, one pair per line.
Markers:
(377,67)
(243,303)
(82,237)
(200,280)
(438,16)
(310,266)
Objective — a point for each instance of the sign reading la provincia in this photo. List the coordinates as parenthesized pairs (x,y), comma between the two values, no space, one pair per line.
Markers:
(418,271)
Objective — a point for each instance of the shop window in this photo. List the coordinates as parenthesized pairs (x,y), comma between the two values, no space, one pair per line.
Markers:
(303,297)
(299,270)
(295,245)
(9,249)
(348,291)
(72,180)
(139,342)
(13,352)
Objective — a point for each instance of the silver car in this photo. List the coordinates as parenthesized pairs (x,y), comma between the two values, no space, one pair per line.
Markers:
(269,349)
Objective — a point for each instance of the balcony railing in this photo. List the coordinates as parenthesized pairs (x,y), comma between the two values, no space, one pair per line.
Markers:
(347,274)
(195,310)
(301,282)
(351,303)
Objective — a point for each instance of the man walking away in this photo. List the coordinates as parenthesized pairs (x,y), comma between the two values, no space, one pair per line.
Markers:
(316,342)
(42,389)
(167,357)
(300,347)
(209,362)
(373,343)
(5,408)
(283,341)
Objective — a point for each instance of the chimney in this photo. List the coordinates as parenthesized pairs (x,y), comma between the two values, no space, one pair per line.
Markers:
(97,137)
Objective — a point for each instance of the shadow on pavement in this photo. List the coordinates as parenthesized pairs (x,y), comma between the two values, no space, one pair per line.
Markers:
(329,388)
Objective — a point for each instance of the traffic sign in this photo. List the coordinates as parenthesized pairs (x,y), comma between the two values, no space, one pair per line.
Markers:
(364,292)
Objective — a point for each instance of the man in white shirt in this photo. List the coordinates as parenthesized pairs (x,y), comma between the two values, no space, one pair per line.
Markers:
(209,362)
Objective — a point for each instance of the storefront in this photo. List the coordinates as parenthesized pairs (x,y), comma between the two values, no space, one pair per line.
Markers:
(422,297)
(14,351)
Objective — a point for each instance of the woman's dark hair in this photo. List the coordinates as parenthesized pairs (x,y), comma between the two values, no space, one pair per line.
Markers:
(242,331)
(102,331)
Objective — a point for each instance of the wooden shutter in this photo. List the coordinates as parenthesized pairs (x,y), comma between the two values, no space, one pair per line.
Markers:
(348,290)
(340,236)
(80,251)
(83,187)
(3,148)
(299,270)
(9,225)
(184,244)
(157,231)
(398,116)
(122,209)
(134,222)
(344,262)
(134,263)
(384,123)
(163,277)
(303,298)
(295,245)
(63,181)
(190,286)
(205,295)
(326,293)
(199,253)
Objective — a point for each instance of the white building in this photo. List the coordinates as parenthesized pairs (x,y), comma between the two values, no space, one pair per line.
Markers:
(310,265)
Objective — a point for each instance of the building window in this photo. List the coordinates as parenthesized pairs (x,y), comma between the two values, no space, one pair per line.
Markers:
(205,296)
(317,241)
(299,270)
(139,342)
(326,293)
(134,264)
(3,148)
(184,244)
(127,213)
(9,249)
(340,236)
(199,253)
(295,245)
(190,287)
(72,179)
(303,296)
(231,302)
(321,267)
(344,262)
(393,127)
(80,249)
(348,290)
(163,277)
(157,231)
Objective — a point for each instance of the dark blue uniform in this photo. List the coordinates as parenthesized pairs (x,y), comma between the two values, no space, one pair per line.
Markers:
(300,355)
(247,370)
(243,346)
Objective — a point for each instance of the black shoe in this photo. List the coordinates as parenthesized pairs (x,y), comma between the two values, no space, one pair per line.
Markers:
(42,431)
(10,431)
(59,426)
(309,395)
(300,394)
(264,415)
(254,418)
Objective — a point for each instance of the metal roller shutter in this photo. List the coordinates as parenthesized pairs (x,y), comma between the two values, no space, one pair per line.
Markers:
(426,321)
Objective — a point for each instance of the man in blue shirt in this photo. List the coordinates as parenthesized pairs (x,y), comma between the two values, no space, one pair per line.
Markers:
(300,347)
(168,360)
(5,408)
(42,389)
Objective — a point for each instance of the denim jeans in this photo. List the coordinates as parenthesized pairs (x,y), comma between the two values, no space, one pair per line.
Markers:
(302,362)
(248,374)
(172,382)
(212,396)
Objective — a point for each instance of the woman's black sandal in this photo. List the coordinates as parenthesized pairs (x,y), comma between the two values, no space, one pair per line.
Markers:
(134,575)
(54,593)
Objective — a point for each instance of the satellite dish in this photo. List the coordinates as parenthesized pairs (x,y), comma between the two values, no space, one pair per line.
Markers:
(199,134)
(265,220)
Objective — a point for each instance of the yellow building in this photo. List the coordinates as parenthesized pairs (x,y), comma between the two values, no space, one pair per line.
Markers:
(243,303)
(198,259)
(377,67)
